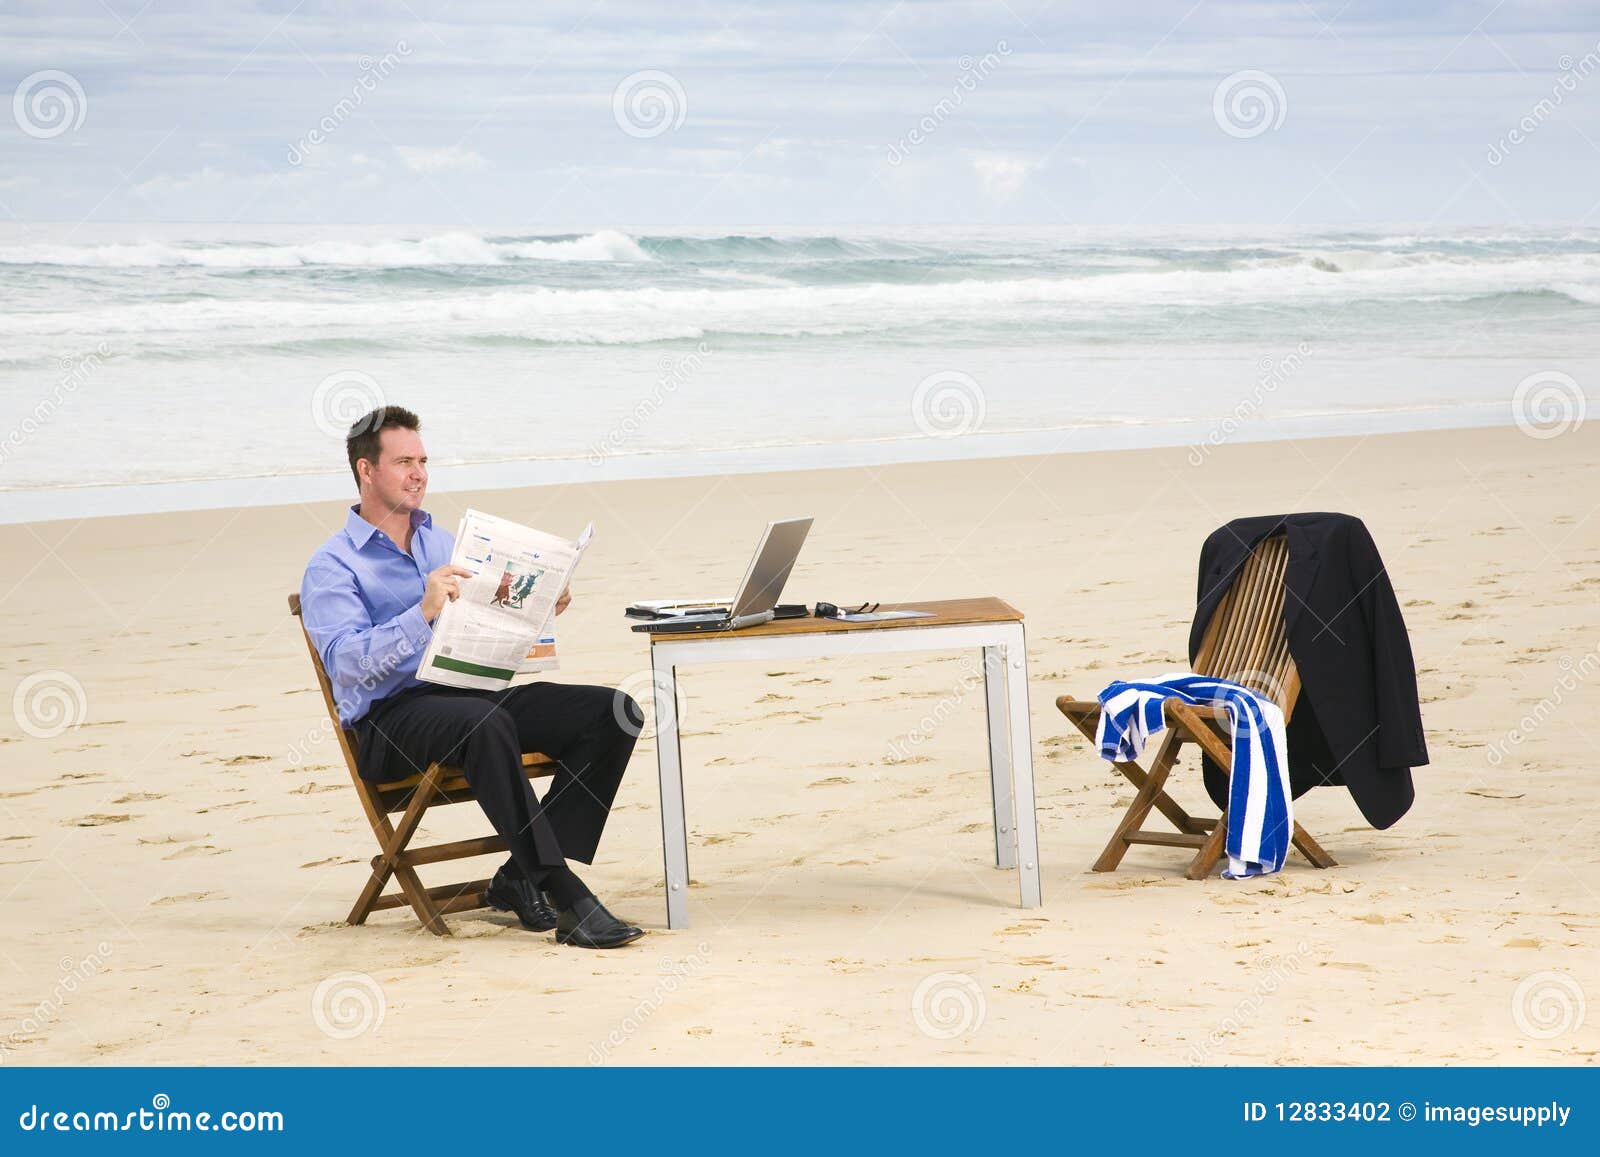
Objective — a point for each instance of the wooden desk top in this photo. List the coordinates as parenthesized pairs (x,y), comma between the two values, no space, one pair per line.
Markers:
(946,613)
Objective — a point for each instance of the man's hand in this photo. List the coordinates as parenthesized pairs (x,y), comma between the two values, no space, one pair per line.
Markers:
(444,586)
(564,601)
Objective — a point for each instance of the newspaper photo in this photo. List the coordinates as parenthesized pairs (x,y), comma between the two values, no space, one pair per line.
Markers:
(502,624)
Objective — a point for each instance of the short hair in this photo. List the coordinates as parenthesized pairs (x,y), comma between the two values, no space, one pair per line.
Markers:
(363,441)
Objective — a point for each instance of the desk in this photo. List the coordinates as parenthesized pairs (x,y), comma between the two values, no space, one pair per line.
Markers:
(991,625)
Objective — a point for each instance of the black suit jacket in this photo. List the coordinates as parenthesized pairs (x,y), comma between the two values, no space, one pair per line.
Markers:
(1357,721)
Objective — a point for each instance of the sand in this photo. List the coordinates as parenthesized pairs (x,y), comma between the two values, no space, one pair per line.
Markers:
(176,869)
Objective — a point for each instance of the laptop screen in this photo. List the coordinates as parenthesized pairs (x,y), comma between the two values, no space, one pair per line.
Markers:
(769,569)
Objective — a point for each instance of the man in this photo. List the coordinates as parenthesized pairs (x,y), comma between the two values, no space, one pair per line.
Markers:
(368,600)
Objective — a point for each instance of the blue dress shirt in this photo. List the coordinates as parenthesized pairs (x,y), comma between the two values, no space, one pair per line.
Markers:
(360,602)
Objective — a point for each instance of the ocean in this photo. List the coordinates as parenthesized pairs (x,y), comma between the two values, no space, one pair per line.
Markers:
(168,367)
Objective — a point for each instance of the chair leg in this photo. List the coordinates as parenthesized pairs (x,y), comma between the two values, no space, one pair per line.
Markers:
(369,896)
(1143,801)
(1205,860)
(381,869)
(394,840)
(1137,775)
(1312,850)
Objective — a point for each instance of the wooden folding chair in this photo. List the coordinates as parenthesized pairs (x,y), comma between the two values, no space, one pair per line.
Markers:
(438,784)
(1245,643)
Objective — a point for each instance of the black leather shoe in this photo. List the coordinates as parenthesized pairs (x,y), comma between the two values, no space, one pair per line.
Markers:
(517,894)
(587,924)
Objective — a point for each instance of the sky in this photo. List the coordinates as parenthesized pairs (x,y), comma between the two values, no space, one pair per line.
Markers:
(810,113)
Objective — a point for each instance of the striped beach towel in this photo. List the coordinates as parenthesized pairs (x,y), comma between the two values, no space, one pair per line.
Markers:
(1260,804)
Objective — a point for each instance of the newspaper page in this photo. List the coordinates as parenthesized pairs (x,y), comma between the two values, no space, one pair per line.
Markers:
(502,624)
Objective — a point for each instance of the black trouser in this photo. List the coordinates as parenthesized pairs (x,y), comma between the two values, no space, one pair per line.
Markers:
(590,731)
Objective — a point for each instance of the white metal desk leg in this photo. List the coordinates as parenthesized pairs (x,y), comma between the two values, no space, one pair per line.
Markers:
(1016,652)
(669,765)
(994,698)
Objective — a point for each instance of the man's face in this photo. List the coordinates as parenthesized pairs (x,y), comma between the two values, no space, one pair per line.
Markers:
(399,478)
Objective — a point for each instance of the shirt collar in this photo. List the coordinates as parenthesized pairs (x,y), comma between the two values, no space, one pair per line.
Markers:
(359,531)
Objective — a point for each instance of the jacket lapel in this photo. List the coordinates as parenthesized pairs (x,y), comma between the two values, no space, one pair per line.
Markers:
(1299,573)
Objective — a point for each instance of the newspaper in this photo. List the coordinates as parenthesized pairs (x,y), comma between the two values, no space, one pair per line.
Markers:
(502,625)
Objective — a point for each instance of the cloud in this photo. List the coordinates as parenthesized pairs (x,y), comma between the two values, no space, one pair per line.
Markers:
(168,184)
(1000,177)
(440,160)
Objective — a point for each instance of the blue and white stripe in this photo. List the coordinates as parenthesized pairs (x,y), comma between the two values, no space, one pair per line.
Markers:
(1260,803)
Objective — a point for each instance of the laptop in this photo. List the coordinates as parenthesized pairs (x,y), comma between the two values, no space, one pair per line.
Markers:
(758,594)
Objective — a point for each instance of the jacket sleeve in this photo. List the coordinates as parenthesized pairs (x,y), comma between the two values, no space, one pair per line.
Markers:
(1401,742)
(358,654)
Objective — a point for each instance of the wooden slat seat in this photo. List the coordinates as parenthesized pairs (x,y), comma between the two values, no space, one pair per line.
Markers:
(1244,642)
(412,796)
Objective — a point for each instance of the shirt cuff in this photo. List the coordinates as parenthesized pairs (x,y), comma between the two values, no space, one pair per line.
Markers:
(417,628)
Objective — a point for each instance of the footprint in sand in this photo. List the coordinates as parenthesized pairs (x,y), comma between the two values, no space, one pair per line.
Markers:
(195,850)
(98,819)
(830,781)
(138,797)
(186,898)
(176,838)
(239,760)
(331,860)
